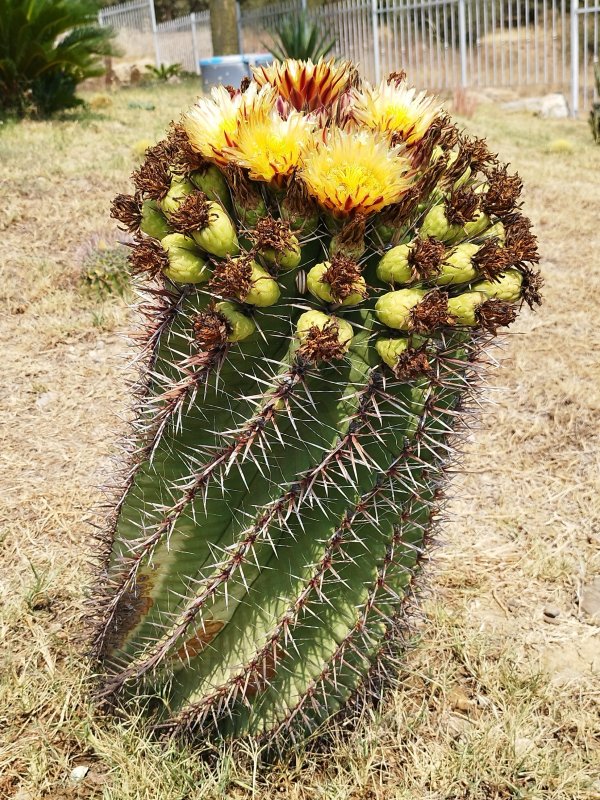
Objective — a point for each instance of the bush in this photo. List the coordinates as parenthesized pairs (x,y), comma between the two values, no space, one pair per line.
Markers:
(299,37)
(46,48)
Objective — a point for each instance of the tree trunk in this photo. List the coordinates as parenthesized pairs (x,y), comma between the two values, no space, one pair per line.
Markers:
(223,27)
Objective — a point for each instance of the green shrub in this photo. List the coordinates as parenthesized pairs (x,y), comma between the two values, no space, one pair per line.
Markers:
(105,268)
(164,72)
(46,48)
(300,37)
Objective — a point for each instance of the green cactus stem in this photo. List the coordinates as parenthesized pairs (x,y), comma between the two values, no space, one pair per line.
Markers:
(310,349)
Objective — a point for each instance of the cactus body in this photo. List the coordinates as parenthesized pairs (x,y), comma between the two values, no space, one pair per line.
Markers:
(291,445)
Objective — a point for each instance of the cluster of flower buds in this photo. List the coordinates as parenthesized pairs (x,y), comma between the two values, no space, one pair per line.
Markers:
(367,196)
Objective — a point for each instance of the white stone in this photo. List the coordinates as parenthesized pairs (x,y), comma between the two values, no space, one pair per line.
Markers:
(549,106)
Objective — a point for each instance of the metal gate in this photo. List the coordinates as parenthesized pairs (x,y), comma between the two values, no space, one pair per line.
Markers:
(531,46)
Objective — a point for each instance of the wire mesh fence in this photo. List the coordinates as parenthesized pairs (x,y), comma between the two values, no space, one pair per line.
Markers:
(532,46)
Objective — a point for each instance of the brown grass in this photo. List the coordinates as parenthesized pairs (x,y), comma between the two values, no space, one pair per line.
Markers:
(494,702)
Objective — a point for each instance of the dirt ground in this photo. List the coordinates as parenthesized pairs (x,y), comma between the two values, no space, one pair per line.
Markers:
(500,696)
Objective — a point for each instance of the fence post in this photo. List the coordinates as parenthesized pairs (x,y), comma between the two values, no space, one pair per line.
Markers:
(195,43)
(375,26)
(238,20)
(574,58)
(154,32)
(462,41)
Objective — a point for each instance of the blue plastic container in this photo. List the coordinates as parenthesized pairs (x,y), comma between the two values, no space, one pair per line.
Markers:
(229,70)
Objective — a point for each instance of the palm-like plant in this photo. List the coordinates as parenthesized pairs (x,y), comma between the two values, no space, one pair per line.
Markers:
(46,48)
(301,38)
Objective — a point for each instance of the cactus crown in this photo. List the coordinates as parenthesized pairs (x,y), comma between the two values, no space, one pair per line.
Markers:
(323,260)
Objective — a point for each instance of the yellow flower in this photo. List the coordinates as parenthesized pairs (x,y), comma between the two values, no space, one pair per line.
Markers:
(349,171)
(212,124)
(304,84)
(269,146)
(394,108)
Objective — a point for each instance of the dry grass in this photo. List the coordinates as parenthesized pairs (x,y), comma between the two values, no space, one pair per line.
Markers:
(494,702)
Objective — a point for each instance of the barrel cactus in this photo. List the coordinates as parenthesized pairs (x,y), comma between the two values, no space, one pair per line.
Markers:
(323,263)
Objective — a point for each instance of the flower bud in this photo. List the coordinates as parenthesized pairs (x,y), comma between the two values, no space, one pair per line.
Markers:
(240,325)
(507,287)
(180,188)
(498,230)
(185,264)
(264,290)
(464,307)
(458,266)
(477,226)
(219,236)
(212,182)
(340,329)
(462,179)
(436,224)
(303,218)
(153,221)
(389,350)
(287,259)
(394,267)
(393,309)
(321,289)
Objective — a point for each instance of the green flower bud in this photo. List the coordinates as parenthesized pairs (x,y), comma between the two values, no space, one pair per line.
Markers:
(389,350)
(480,224)
(393,309)
(499,231)
(508,287)
(288,259)
(219,236)
(436,224)
(185,264)
(212,182)
(322,290)
(464,307)
(393,266)
(153,221)
(458,266)
(303,219)
(179,190)
(452,156)
(241,325)
(252,211)
(317,319)
(264,290)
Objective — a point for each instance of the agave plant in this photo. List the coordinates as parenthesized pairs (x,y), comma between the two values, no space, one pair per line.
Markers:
(300,37)
(164,72)
(324,262)
(46,48)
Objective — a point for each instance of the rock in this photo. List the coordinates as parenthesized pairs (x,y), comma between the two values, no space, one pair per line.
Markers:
(522,746)
(45,399)
(78,773)
(554,106)
(549,106)
(552,612)
(589,600)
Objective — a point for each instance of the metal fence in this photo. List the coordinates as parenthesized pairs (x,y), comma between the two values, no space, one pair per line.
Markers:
(532,46)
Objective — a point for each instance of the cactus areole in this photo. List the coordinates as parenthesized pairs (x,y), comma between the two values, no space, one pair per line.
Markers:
(323,263)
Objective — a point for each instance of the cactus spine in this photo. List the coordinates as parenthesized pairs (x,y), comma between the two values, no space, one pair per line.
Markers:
(325,261)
